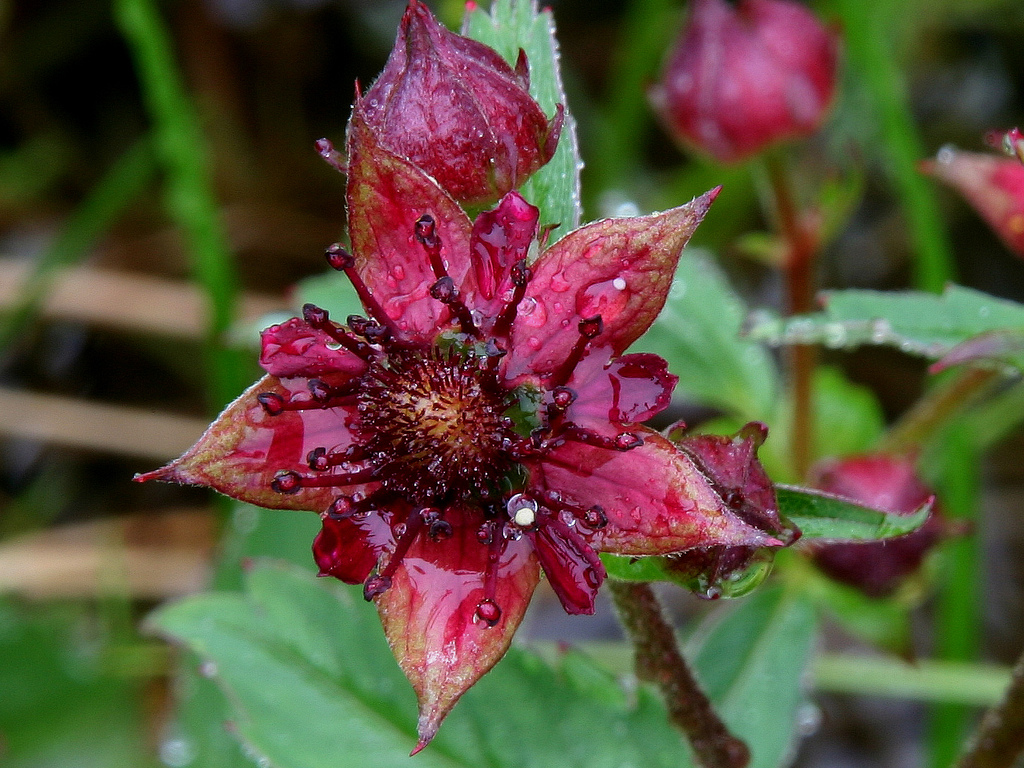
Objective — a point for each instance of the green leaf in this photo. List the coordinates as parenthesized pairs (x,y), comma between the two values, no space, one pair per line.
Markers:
(312,683)
(821,515)
(917,323)
(636,568)
(715,365)
(752,662)
(510,26)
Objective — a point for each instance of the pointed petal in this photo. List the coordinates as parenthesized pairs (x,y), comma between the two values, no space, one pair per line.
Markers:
(429,613)
(994,185)
(386,195)
(627,390)
(293,348)
(242,451)
(348,547)
(500,238)
(656,500)
(620,269)
(574,570)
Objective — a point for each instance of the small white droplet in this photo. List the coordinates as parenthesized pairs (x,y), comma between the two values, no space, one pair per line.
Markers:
(524,517)
(619,283)
(946,154)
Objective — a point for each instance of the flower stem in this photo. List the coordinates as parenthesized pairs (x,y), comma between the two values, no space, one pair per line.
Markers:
(799,275)
(999,740)
(935,409)
(659,661)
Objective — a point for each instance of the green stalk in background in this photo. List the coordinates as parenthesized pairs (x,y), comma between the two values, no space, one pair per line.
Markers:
(867,35)
(190,200)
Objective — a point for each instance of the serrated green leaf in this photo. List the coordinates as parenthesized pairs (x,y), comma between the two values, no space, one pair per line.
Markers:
(822,515)
(698,332)
(312,683)
(510,26)
(917,323)
(752,662)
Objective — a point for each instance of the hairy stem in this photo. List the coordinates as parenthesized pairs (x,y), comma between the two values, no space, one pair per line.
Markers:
(799,275)
(999,740)
(659,661)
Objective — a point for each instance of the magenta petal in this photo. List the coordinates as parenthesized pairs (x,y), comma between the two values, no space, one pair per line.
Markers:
(656,500)
(574,570)
(242,451)
(627,390)
(386,196)
(348,548)
(293,348)
(500,238)
(429,613)
(620,269)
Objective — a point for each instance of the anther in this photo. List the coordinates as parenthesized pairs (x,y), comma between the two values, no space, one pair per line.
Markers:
(339,258)
(272,403)
(376,585)
(440,530)
(627,441)
(488,612)
(319,319)
(444,290)
(563,397)
(591,327)
(287,481)
(341,507)
(407,533)
(343,261)
(594,518)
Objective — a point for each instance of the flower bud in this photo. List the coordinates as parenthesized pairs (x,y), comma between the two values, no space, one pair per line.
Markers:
(455,108)
(890,483)
(743,77)
(736,474)
(992,184)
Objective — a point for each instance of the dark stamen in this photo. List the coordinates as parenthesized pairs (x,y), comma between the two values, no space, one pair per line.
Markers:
(274,404)
(520,275)
(343,261)
(319,319)
(444,290)
(289,481)
(334,158)
(590,328)
(624,441)
(376,585)
(320,459)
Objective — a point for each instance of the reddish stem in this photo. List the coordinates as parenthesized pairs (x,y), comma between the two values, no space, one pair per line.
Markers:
(798,270)
(659,661)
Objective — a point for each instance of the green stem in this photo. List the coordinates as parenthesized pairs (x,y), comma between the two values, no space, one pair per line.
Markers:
(189,188)
(936,408)
(867,34)
(659,661)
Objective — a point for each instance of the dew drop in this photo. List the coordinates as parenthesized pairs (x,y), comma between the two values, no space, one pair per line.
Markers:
(619,283)
(208,669)
(946,154)
(984,311)
(177,752)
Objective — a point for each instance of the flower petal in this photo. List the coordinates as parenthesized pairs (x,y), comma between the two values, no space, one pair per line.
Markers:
(386,195)
(500,238)
(429,613)
(242,451)
(574,570)
(656,500)
(293,348)
(620,269)
(626,390)
(348,547)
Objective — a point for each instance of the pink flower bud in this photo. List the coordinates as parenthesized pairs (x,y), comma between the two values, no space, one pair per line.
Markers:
(455,108)
(743,77)
(992,184)
(883,482)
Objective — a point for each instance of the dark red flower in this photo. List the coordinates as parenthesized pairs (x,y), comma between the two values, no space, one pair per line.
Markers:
(746,76)
(884,482)
(731,465)
(479,424)
(455,108)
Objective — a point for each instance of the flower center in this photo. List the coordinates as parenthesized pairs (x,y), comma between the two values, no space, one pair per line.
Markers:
(433,422)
